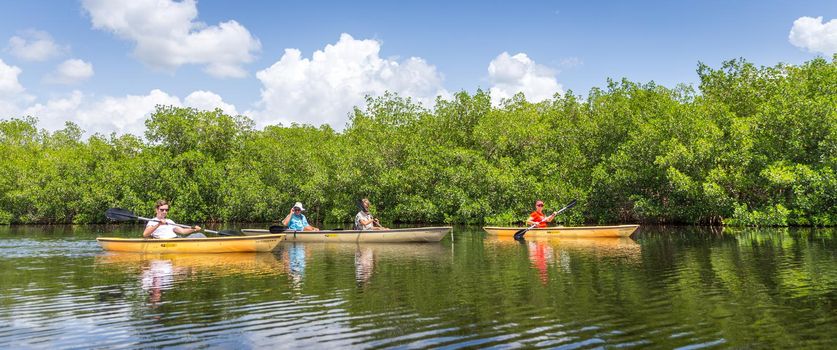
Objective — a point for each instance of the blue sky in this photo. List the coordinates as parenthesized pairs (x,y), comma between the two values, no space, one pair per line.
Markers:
(105,64)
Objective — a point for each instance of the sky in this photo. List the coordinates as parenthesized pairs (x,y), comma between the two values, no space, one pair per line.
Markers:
(106,64)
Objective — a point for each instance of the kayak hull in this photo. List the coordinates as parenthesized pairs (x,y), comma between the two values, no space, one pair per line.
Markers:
(398,235)
(238,244)
(579,231)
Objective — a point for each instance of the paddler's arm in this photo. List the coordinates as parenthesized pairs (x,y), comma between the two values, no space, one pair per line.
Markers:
(186,231)
(149,229)
(287,219)
(365,222)
(531,221)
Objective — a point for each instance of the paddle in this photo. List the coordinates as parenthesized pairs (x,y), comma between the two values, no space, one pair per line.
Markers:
(280,229)
(119,214)
(277,229)
(519,234)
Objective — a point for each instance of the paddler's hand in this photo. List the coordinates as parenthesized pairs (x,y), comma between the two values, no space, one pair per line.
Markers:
(196,228)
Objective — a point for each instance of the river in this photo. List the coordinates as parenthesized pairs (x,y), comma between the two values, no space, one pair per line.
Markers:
(667,287)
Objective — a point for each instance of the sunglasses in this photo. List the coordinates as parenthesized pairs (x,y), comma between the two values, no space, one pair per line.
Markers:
(163,209)
(538,205)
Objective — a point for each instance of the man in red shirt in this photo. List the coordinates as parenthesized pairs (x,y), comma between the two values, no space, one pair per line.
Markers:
(538,217)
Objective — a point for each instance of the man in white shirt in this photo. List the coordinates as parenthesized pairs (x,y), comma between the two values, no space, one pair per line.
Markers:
(163,228)
(364,220)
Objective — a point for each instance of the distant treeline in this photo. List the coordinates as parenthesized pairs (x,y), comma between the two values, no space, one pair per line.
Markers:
(752,146)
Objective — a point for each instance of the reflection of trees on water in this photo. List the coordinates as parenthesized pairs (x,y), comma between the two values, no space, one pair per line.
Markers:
(751,287)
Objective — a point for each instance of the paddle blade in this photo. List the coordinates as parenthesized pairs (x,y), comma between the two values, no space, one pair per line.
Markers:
(277,229)
(571,204)
(519,234)
(119,214)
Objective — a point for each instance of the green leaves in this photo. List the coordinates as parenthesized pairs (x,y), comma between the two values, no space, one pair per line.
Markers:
(754,146)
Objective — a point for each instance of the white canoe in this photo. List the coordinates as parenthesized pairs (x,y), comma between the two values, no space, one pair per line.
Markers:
(396,235)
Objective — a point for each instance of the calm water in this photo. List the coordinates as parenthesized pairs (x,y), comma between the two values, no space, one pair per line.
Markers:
(669,287)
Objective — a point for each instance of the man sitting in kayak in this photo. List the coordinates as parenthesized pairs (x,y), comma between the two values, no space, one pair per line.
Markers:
(296,221)
(163,228)
(538,217)
(364,220)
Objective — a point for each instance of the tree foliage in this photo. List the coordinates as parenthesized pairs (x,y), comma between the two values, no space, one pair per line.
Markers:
(751,146)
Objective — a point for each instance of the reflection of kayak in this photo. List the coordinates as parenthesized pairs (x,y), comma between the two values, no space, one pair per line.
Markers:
(580,231)
(599,246)
(216,263)
(190,259)
(262,243)
(396,235)
(394,251)
(179,264)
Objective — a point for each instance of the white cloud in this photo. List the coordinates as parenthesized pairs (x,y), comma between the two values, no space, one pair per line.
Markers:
(12,94)
(207,100)
(512,74)
(126,114)
(34,45)
(120,114)
(70,72)
(325,88)
(167,36)
(8,79)
(813,35)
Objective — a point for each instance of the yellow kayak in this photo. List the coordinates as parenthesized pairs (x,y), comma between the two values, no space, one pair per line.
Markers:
(579,231)
(237,244)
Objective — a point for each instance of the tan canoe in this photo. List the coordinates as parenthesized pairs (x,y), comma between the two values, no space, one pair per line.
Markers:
(396,235)
(238,244)
(580,231)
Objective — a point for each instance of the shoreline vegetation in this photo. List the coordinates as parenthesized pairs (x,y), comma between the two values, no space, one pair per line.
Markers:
(749,146)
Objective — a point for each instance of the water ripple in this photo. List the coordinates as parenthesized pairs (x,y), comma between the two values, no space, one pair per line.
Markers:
(674,292)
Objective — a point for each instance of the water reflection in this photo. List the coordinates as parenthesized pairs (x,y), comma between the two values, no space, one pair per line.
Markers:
(544,252)
(213,264)
(364,264)
(160,272)
(157,275)
(294,258)
(673,287)
(366,256)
